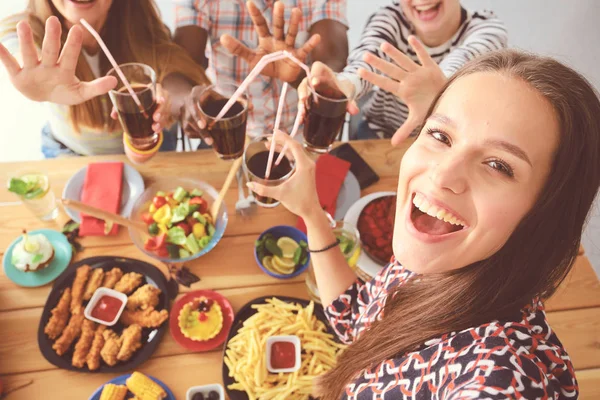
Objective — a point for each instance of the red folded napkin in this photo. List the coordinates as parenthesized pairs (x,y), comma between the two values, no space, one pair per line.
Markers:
(331,172)
(101,189)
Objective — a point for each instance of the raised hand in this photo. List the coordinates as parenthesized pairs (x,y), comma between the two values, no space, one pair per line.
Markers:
(52,78)
(268,43)
(416,85)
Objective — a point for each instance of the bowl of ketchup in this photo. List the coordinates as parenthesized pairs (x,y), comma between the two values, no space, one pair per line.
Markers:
(283,354)
(105,306)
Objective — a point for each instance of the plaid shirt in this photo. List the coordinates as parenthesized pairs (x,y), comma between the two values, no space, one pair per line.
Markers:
(231,16)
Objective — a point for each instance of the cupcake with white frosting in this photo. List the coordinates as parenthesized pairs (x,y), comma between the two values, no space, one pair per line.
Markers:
(33,253)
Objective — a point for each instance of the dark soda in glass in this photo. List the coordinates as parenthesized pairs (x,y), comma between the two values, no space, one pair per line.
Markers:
(325,116)
(229,133)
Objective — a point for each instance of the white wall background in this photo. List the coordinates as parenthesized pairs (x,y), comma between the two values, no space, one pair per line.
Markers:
(567,30)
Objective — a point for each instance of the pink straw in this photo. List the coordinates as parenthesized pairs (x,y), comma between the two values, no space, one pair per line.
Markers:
(292,133)
(276,128)
(278,55)
(114,64)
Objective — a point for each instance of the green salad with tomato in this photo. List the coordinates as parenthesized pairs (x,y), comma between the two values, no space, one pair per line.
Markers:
(179,223)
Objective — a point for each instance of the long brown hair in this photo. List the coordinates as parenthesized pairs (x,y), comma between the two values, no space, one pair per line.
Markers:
(535,259)
(133,32)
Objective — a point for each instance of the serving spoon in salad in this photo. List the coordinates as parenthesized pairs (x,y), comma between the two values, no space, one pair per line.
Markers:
(106,216)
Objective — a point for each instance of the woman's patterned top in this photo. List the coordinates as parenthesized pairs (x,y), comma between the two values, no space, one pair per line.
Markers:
(518,359)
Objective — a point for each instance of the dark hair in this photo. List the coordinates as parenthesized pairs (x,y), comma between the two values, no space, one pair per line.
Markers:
(535,259)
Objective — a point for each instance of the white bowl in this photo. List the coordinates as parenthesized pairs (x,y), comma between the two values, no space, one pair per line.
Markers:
(102,291)
(295,340)
(205,389)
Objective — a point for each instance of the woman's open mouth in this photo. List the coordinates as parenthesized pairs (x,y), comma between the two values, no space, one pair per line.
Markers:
(432,220)
(427,12)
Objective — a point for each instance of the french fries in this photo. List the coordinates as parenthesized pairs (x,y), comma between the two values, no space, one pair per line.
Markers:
(246,352)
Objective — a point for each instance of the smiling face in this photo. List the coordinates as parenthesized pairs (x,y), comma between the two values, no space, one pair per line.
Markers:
(435,21)
(479,163)
(94,11)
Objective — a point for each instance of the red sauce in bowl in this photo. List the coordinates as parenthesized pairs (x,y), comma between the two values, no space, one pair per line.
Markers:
(106,308)
(283,355)
(376,228)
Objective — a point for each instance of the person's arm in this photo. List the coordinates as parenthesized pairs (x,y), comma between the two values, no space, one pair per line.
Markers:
(192,24)
(485,33)
(193,39)
(383,26)
(333,49)
(328,20)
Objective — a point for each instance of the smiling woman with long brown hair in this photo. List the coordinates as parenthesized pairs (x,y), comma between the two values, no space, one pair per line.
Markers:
(492,199)
(79,109)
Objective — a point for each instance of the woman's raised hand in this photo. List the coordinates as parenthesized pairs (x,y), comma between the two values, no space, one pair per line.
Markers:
(52,77)
(416,85)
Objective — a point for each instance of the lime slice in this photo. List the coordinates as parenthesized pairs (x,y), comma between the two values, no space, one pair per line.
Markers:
(39,185)
(284,265)
(288,246)
(30,247)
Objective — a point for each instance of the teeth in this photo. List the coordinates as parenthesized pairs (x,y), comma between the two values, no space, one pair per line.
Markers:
(418,199)
(422,204)
(426,7)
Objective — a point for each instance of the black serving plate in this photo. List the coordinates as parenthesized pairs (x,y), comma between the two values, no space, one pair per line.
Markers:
(150,336)
(246,312)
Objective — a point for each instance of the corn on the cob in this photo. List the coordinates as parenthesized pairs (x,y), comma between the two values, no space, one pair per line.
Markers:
(113,392)
(144,388)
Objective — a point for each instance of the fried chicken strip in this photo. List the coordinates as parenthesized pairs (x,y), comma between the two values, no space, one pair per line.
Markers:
(93,283)
(148,318)
(60,316)
(112,277)
(132,340)
(143,298)
(93,357)
(70,333)
(129,282)
(112,345)
(82,347)
(81,277)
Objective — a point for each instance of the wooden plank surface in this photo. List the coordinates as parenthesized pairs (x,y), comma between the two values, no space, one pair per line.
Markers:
(574,311)
(589,384)
(579,290)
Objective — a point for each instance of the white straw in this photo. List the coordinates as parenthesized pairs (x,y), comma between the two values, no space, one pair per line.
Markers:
(276,56)
(292,133)
(246,82)
(113,62)
(276,128)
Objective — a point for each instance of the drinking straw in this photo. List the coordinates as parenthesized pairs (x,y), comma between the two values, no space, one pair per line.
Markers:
(114,64)
(278,55)
(292,133)
(276,128)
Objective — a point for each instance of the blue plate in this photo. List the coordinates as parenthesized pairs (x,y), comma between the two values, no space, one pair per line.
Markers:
(120,380)
(133,187)
(62,257)
(277,232)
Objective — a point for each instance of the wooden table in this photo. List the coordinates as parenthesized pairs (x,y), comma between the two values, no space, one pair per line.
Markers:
(230,268)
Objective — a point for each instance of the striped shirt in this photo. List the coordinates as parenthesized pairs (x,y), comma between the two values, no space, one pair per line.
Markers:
(478,33)
(219,17)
